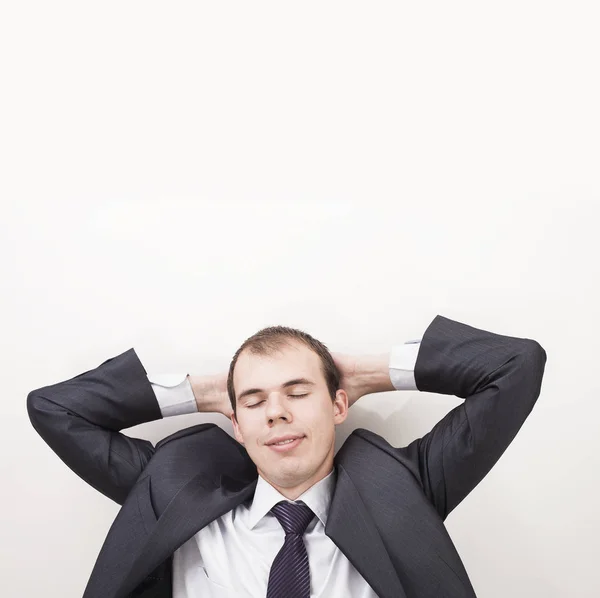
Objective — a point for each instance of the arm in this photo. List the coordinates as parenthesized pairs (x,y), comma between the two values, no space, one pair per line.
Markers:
(500,379)
(81,420)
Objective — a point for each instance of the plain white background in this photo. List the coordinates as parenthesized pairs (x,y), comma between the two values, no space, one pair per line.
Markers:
(177,176)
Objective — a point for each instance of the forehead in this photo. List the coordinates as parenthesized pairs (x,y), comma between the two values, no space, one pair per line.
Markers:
(293,360)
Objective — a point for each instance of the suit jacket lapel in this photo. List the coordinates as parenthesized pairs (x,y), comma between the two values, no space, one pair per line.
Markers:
(353,531)
(199,502)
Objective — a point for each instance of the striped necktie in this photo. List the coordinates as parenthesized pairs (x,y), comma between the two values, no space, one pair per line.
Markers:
(290,576)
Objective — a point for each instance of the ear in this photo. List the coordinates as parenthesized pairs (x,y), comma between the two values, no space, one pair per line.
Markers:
(340,407)
(236,429)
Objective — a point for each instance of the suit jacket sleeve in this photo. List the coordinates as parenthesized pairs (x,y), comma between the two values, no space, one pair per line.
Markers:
(81,419)
(500,379)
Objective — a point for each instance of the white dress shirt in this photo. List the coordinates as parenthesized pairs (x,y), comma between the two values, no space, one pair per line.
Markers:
(232,556)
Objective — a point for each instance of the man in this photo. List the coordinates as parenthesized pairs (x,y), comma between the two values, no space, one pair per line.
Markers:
(206,515)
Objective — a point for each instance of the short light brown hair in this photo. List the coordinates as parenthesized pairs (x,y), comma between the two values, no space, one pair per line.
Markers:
(274,338)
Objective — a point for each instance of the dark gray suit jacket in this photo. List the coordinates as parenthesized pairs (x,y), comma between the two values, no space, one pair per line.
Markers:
(389,503)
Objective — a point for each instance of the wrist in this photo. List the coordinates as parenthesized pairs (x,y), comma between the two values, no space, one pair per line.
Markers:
(373,374)
(210,393)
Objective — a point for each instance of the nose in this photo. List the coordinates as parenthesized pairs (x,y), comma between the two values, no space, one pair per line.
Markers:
(276,409)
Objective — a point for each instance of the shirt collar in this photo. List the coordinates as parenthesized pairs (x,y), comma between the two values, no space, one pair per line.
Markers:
(317,498)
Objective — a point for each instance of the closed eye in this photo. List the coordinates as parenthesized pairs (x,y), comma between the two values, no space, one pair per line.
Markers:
(257,404)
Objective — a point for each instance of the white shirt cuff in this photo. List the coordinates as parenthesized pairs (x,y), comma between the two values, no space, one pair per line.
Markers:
(402,365)
(174,394)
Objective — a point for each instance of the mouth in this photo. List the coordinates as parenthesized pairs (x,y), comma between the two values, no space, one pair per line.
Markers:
(286,446)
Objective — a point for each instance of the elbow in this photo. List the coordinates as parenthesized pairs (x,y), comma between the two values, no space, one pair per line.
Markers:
(536,355)
(534,363)
(37,408)
(33,407)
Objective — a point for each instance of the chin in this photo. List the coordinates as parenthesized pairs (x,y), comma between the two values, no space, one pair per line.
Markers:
(289,475)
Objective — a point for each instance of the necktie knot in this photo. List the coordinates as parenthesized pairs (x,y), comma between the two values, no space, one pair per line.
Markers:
(294,517)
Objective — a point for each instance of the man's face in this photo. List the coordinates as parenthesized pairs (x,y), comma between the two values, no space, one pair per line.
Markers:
(278,411)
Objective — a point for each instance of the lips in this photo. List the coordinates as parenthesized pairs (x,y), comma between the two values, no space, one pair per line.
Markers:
(287,447)
(282,438)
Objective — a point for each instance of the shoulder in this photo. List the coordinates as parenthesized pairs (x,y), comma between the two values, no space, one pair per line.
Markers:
(204,450)
(365,446)
(208,431)
(205,447)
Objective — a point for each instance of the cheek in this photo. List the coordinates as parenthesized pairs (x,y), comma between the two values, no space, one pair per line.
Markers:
(320,427)
(247,429)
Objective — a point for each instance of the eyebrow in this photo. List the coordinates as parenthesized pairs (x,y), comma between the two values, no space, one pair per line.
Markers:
(293,382)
